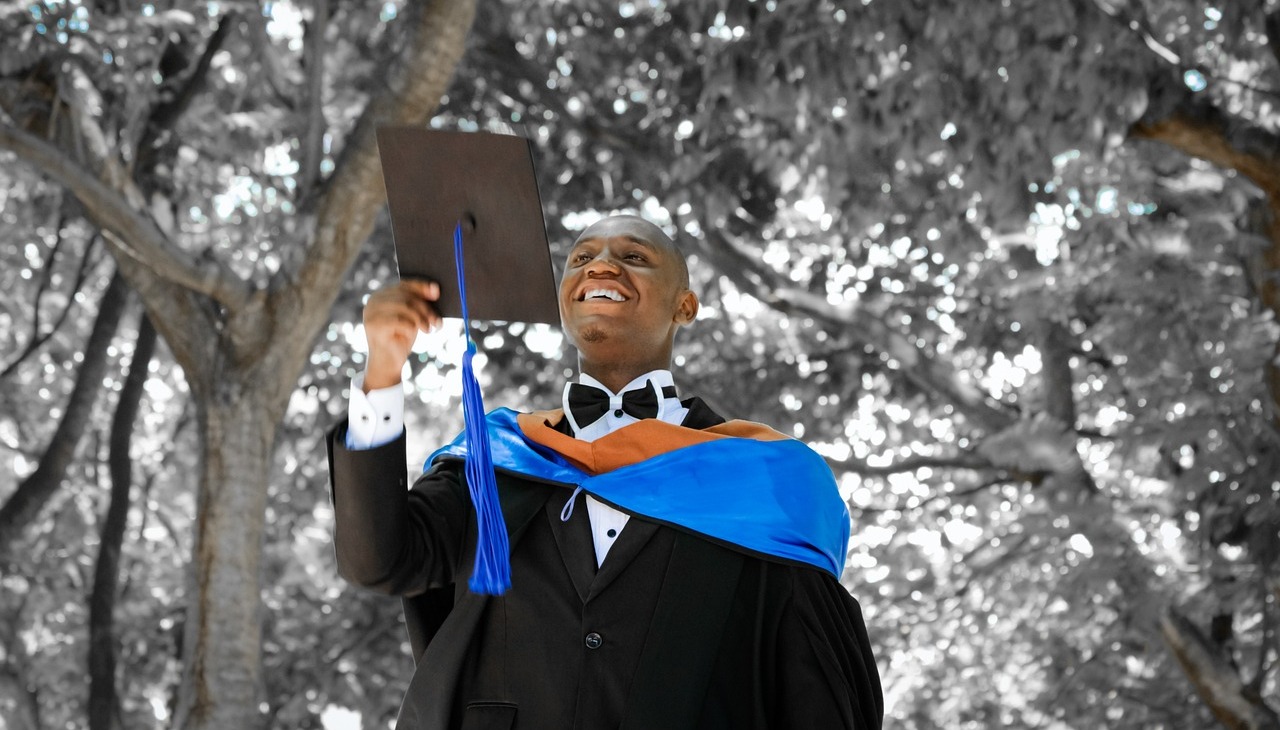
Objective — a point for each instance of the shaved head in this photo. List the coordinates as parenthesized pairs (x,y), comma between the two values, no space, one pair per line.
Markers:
(639,229)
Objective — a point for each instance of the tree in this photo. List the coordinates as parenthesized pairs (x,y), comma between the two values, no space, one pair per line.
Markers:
(242,337)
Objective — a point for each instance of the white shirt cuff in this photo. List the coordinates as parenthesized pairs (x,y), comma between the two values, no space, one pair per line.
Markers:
(374,418)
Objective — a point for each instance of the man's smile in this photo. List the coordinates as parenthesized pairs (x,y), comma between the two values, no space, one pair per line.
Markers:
(602,294)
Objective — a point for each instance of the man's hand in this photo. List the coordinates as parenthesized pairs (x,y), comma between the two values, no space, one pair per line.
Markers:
(393,316)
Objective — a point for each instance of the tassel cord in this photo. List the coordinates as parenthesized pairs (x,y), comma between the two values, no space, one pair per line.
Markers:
(492,572)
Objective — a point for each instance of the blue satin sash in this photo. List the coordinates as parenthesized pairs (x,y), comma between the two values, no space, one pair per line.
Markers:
(776,498)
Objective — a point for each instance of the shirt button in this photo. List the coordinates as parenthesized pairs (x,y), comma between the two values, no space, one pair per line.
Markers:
(618,413)
(593,640)
(612,532)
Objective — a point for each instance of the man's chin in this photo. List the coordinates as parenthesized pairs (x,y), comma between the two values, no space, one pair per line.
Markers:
(593,335)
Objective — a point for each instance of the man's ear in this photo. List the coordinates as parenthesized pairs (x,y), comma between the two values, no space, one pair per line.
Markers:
(686,308)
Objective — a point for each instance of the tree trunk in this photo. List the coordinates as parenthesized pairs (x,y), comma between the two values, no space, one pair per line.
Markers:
(106,578)
(222,680)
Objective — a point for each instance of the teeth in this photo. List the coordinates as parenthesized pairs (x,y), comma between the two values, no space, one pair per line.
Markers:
(606,293)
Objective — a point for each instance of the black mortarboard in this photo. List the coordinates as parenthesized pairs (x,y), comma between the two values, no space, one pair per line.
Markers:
(436,180)
(474,194)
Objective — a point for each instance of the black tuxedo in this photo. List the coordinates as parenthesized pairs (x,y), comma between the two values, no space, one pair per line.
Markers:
(672,631)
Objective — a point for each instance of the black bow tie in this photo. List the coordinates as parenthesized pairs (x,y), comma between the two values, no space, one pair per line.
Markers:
(589,403)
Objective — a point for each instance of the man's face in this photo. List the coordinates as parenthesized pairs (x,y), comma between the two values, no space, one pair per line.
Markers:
(624,293)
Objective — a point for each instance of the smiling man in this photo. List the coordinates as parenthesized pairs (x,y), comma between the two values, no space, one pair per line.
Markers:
(670,569)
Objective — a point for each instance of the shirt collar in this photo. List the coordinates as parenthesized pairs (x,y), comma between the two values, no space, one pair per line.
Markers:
(660,378)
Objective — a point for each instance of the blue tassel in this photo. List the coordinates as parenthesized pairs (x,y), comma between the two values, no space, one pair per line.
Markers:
(492,572)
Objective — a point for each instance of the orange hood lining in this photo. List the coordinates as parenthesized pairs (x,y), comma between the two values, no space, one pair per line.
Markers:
(634,443)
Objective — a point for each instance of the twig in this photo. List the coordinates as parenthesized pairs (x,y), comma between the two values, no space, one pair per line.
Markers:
(957,461)
(956,494)
(38,338)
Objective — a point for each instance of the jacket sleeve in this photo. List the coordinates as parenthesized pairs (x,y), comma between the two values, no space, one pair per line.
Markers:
(826,675)
(388,538)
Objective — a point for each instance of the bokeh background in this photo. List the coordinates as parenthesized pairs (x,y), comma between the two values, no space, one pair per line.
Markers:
(1010,265)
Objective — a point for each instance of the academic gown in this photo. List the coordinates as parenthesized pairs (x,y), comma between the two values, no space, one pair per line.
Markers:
(702,634)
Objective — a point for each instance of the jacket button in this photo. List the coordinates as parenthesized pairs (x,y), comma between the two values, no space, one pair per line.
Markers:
(593,640)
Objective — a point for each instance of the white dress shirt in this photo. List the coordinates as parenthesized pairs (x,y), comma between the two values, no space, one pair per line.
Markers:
(377,417)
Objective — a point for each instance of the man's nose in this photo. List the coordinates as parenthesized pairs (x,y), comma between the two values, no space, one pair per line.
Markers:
(602,263)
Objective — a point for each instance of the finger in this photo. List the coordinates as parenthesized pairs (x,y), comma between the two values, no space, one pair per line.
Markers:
(410,322)
(424,288)
(397,318)
(428,318)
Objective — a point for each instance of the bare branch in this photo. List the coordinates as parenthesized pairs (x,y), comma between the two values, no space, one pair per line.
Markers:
(1272,24)
(916,365)
(38,338)
(130,233)
(1215,677)
(1264,644)
(26,706)
(313,138)
(1199,129)
(35,491)
(268,61)
(106,579)
(938,496)
(165,116)
(1004,558)
(957,461)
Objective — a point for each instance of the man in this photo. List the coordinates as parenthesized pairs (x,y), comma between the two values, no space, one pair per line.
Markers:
(652,595)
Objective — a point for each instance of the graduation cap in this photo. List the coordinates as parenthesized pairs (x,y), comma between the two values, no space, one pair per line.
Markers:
(467,204)
(436,180)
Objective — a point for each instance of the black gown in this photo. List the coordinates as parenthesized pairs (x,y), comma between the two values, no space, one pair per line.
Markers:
(672,631)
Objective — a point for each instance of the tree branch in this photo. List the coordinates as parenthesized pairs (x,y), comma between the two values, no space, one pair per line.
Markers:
(916,365)
(26,701)
(1264,644)
(130,233)
(165,116)
(1198,128)
(268,61)
(1271,23)
(38,338)
(936,496)
(912,463)
(36,490)
(1215,678)
(313,138)
(106,579)
(351,198)
(1004,558)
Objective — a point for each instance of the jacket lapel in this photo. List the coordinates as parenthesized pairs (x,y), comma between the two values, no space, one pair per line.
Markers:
(700,414)
(630,542)
(573,539)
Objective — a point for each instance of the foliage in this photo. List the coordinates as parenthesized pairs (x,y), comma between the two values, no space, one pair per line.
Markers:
(936,240)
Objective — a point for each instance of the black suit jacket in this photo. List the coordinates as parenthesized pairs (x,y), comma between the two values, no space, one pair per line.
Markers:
(734,640)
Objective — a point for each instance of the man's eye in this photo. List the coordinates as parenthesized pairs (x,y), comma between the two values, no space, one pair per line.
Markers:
(635,257)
